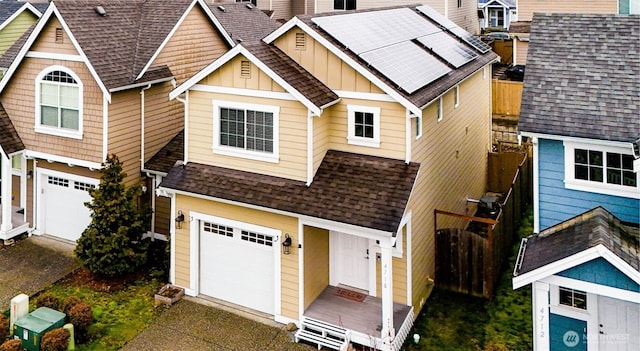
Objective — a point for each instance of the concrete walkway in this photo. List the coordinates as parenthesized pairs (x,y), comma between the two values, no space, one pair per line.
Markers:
(190,325)
(30,265)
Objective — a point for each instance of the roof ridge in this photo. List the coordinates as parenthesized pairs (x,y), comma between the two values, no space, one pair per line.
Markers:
(136,49)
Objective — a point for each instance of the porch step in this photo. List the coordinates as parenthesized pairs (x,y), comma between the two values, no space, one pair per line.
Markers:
(323,334)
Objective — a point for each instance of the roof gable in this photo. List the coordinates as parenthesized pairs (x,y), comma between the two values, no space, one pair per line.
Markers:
(595,233)
(9,10)
(582,77)
(418,96)
(276,65)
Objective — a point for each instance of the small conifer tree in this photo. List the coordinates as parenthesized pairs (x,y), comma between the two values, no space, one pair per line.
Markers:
(112,243)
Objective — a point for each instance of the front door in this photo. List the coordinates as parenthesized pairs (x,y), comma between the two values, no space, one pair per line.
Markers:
(567,333)
(618,322)
(351,260)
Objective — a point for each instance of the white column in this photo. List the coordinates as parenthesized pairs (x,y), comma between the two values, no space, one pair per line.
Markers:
(540,299)
(6,193)
(386,280)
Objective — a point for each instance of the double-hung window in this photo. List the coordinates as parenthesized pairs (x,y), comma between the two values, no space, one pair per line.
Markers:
(603,169)
(246,130)
(344,4)
(59,103)
(363,125)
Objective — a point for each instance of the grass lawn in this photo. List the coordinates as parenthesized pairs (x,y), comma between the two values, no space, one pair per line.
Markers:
(457,322)
(118,315)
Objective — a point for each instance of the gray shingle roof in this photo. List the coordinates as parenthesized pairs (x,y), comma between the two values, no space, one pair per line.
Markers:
(299,78)
(167,156)
(8,8)
(120,44)
(356,189)
(9,138)
(577,234)
(241,22)
(583,77)
(426,94)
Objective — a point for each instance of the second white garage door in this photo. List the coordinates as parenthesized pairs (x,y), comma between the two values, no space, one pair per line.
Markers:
(63,197)
(237,265)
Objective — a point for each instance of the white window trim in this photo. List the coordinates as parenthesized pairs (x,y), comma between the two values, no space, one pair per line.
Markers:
(235,152)
(67,133)
(595,187)
(418,127)
(456,95)
(351,130)
(440,112)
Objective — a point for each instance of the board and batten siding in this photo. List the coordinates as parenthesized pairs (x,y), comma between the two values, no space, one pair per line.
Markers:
(558,204)
(526,9)
(124,132)
(12,31)
(316,263)
(19,101)
(195,44)
(286,224)
(292,124)
(453,166)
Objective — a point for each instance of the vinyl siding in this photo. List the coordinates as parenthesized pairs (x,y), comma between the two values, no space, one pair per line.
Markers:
(282,10)
(292,121)
(327,5)
(18,99)
(46,41)
(289,225)
(163,118)
(521,48)
(316,263)
(466,17)
(526,9)
(558,204)
(195,44)
(162,212)
(125,131)
(12,31)
(445,181)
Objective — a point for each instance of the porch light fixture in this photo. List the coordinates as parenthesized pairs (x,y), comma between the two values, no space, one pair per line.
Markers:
(286,244)
(179,219)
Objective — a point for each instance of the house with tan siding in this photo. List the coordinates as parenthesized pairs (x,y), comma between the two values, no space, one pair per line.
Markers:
(15,18)
(92,78)
(521,25)
(312,168)
(462,12)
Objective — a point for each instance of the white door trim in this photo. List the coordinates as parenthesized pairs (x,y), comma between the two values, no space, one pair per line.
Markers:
(194,262)
(334,258)
(41,173)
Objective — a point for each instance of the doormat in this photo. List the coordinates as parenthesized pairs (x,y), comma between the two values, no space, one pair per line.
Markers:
(350,294)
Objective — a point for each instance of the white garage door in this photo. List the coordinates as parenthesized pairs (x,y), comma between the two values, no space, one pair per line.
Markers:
(237,266)
(64,212)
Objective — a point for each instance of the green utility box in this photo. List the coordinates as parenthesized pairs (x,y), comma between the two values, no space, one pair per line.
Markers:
(33,326)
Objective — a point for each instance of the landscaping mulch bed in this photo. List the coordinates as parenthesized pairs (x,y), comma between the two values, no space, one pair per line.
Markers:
(82,277)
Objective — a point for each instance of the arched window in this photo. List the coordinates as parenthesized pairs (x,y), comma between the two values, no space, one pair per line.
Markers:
(59,103)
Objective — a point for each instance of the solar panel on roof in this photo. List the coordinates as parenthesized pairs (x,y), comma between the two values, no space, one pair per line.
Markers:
(453,28)
(450,49)
(361,32)
(407,65)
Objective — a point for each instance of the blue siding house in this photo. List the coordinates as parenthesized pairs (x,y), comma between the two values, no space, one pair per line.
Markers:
(581,111)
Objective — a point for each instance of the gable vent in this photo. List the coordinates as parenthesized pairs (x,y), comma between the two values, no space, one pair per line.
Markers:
(301,41)
(59,36)
(100,11)
(245,69)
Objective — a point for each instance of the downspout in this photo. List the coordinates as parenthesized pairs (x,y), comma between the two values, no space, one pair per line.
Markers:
(34,185)
(142,139)
(407,137)
(309,148)
(186,125)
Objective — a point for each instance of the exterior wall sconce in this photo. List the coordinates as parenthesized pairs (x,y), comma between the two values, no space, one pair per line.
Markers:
(179,219)
(286,244)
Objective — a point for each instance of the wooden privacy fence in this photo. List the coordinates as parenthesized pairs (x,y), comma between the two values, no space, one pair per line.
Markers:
(506,97)
(471,260)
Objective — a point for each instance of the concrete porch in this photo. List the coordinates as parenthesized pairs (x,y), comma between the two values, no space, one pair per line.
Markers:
(19,225)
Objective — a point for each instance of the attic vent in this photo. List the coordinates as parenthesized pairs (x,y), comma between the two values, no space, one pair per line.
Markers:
(245,69)
(301,41)
(221,8)
(59,36)
(249,6)
(100,10)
